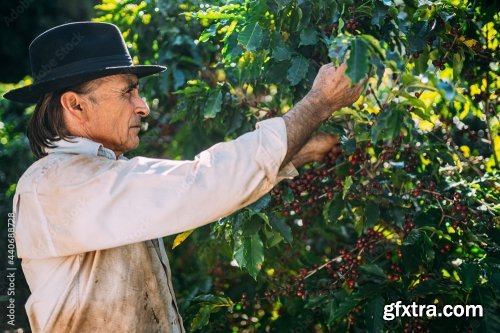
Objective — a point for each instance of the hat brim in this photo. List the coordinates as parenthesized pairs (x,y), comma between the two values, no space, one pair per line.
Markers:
(32,93)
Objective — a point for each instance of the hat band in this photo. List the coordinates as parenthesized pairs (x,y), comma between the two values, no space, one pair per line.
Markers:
(52,71)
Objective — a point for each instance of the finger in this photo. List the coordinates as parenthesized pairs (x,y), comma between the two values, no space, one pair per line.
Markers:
(342,68)
(363,82)
(329,139)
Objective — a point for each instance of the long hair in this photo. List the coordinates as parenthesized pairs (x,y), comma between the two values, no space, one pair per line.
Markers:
(46,125)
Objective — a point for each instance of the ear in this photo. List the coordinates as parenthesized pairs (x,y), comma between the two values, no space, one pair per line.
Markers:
(74,106)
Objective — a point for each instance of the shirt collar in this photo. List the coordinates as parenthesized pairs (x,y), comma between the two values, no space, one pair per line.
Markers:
(81,146)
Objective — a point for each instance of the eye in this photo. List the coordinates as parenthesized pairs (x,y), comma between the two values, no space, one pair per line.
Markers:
(131,89)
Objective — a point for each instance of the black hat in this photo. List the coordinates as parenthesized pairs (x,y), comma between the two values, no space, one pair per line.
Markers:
(75,53)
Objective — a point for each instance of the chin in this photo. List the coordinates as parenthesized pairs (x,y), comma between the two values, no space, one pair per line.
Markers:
(134,144)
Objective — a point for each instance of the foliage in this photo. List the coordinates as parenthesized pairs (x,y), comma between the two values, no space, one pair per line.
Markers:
(408,211)
(15,157)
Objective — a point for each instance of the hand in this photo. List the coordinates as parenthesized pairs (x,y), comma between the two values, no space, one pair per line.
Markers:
(332,89)
(316,149)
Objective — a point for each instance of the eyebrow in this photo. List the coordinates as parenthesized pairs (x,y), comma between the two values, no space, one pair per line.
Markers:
(131,85)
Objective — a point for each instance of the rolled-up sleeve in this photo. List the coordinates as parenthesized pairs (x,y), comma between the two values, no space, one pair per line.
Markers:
(86,203)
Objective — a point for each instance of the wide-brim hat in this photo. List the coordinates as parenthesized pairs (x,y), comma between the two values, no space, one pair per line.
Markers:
(75,53)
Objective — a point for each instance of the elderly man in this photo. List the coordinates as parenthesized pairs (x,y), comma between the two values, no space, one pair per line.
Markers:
(89,221)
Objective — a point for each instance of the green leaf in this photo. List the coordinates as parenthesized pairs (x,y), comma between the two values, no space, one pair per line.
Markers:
(288,196)
(373,269)
(208,304)
(335,209)
(359,221)
(388,124)
(338,49)
(428,287)
(374,45)
(283,228)
(251,37)
(494,280)
(275,73)
(428,218)
(357,64)
(208,33)
(254,254)
(378,15)
(484,296)
(421,63)
(252,226)
(298,70)
(469,273)
(179,78)
(343,309)
(372,213)
(213,104)
(417,250)
(350,146)
(417,36)
(260,204)
(239,251)
(347,185)
(282,4)
(272,237)
(458,64)
(447,90)
(215,300)
(308,36)
(374,315)
(398,215)
(201,318)
(280,50)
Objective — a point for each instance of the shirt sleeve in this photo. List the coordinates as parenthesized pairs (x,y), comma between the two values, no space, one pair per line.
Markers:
(87,203)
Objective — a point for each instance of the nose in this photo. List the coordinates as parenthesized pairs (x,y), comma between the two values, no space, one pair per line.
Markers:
(141,107)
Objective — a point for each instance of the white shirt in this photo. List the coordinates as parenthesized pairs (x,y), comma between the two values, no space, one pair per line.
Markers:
(85,221)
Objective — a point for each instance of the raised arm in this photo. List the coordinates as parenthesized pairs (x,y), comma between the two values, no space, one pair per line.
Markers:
(331,91)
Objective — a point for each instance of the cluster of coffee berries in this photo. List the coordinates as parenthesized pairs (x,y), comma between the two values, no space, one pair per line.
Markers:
(417,54)
(329,29)
(458,211)
(306,192)
(416,325)
(412,160)
(446,248)
(389,149)
(369,241)
(357,159)
(271,113)
(344,270)
(427,187)
(439,63)
(352,25)
(409,224)
(395,273)
(294,286)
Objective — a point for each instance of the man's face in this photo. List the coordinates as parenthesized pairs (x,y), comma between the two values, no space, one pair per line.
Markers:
(114,116)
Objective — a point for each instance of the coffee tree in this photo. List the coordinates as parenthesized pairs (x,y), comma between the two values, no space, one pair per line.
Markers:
(408,210)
